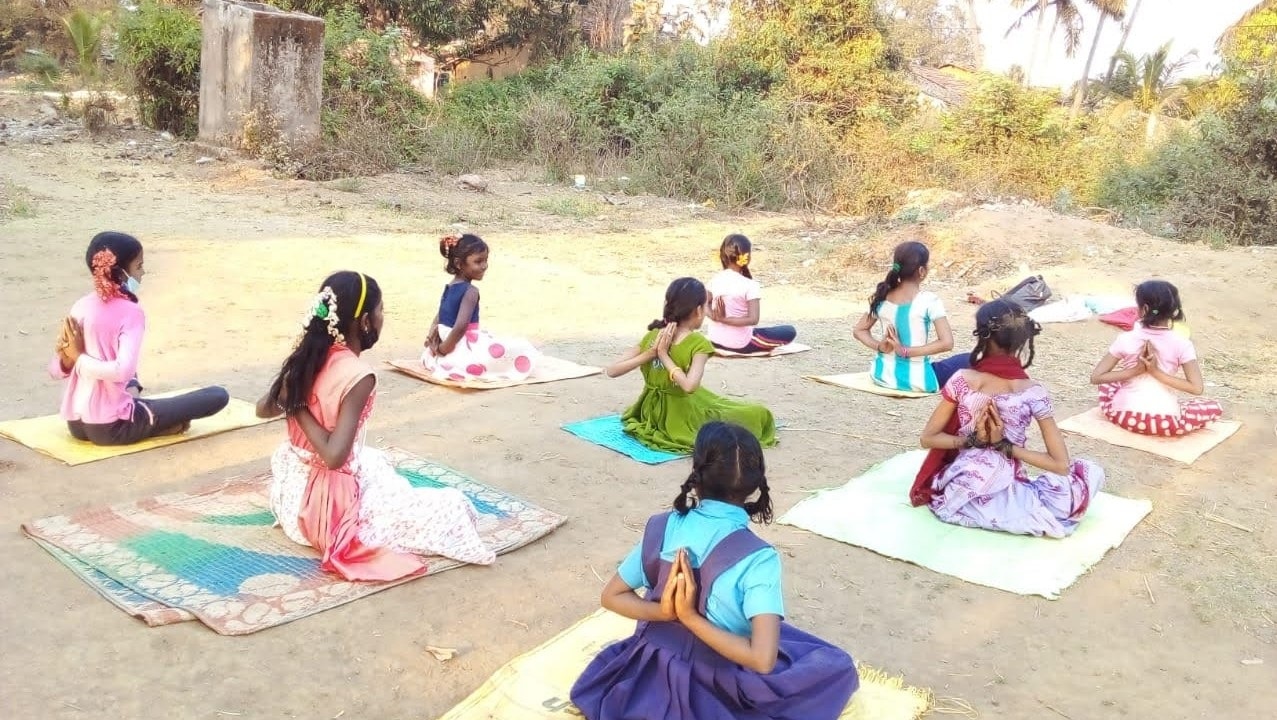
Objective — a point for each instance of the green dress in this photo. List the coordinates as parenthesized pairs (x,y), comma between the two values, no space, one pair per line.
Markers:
(665,417)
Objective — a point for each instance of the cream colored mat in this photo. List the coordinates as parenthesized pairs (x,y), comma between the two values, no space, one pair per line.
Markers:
(537,684)
(548,369)
(49,434)
(790,349)
(863,382)
(1185,449)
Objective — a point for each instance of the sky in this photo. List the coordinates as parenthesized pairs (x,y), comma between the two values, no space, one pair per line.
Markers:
(1189,24)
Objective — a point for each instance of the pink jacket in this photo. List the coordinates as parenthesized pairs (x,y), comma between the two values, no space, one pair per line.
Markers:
(96,390)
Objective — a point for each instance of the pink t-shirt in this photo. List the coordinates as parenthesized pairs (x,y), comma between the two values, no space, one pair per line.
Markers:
(736,291)
(1144,393)
(96,387)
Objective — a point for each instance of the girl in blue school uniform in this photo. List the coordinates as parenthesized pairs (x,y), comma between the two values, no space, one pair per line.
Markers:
(711,642)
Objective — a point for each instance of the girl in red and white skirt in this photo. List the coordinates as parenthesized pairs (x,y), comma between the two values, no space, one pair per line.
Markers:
(1141,373)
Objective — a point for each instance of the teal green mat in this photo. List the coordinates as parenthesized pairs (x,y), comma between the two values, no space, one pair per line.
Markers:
(607,432)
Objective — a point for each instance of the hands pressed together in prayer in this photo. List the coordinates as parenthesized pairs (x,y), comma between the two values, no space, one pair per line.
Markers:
(664,339)
(890,343)
(70,344)
(678,599)
(988,426)
(717,309)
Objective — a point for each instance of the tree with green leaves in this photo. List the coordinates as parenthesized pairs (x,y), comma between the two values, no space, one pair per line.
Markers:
(1150,83)
(1252,40)
(469,27)
(833,54)
(931,32)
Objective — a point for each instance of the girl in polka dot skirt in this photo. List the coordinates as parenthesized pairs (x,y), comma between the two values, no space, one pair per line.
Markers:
(456,348)
(1140,375)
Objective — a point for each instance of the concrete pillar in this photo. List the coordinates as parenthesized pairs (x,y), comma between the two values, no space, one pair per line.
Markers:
(259,64)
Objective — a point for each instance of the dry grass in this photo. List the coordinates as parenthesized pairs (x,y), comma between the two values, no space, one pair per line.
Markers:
(16,202)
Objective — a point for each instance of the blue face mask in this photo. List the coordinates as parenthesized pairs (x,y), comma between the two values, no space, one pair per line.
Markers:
(131,283)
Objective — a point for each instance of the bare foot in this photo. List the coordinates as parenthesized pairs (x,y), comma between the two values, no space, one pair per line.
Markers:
(177,429)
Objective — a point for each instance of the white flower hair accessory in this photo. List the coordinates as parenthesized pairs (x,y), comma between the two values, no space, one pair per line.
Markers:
(324,307)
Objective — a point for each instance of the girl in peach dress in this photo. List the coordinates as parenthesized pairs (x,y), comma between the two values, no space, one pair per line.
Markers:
(328,489)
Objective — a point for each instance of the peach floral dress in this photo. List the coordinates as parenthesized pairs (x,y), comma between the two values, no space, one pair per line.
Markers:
(391,514)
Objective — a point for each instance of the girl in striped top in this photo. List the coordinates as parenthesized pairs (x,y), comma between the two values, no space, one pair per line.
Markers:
(910,317)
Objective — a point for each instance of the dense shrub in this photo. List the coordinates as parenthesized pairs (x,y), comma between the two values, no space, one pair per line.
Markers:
(678,119)
(1215,179)
(19,23)
(714,123)
(43,69)
(160,45)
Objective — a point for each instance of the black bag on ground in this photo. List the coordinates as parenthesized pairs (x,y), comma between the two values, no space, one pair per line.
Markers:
(1030,293)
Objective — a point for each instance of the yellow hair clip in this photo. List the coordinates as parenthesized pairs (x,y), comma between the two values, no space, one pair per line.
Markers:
(742,260)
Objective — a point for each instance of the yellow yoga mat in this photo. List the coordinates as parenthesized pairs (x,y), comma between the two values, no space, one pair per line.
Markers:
(537,684)
(49,435)
(548,369)
(1185,449)
(790,349)
(864,383)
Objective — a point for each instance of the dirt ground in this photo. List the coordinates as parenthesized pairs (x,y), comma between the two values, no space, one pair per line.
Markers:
(1169,625)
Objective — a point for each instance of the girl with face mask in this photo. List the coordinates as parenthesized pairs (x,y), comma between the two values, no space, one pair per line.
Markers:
(97,354)
(328,489)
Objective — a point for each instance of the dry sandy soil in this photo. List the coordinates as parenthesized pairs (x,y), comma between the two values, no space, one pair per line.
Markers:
(1159,629)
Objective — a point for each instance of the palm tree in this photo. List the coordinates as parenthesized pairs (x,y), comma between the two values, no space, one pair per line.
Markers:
(84,29)
(1121,43)
(1068,19)
(1108,9)
(1151,84)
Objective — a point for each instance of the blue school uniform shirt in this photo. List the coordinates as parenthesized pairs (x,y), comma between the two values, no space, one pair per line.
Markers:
(748,588)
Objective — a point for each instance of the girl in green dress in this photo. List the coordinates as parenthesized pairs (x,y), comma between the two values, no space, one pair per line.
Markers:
(672,357)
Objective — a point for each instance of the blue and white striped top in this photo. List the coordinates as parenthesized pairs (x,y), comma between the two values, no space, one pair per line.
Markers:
(913,322)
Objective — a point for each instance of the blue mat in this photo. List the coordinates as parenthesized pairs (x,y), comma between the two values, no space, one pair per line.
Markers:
(606,431)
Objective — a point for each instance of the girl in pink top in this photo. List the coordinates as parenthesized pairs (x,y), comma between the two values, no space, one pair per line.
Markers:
(328,489)
(734,312)
(1140,375)
(97,354)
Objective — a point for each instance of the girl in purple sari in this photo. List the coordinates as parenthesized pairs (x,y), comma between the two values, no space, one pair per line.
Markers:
(711,643)
(978,471)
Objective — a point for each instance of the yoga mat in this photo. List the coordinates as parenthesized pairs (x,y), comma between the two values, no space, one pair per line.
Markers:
(790,349)
(215,555)
(547,369)
(873,512)
(537,685)
(863,382)
(607,432)
(49,435)
(1185,448)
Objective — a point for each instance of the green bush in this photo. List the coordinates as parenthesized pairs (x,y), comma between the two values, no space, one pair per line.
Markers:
(1217,178)
(84,30)
(43,68)
(1000,112)
(160,45)
(679,119)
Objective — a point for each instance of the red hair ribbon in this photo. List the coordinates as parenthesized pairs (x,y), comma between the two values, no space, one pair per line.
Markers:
(104,262)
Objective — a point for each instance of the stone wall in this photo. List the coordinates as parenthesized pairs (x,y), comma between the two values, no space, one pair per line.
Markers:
(259,65)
